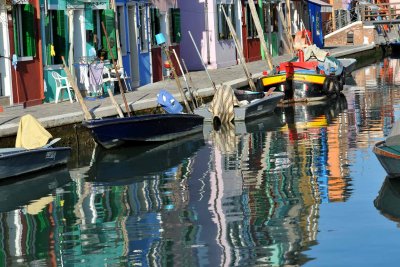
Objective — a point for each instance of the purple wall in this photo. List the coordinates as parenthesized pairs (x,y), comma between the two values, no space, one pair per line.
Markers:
(192,18)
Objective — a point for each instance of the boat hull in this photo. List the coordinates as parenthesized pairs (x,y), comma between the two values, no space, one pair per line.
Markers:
(113,132)
(389,158)
(256,108)
(301,84)
(19,162)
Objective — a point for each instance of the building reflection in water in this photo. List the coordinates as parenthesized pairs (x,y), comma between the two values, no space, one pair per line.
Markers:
(248,194)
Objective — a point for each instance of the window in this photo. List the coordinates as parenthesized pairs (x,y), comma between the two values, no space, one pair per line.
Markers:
(155,24)
(175,24)
(121,29)
(223,29)
(144,42)
(55,32)
(24,30)
(251,27)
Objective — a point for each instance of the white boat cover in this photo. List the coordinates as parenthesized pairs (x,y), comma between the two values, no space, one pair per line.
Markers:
(394,137)
(31,133)
(222,104)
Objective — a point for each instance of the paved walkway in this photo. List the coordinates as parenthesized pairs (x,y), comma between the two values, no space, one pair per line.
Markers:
(64,113)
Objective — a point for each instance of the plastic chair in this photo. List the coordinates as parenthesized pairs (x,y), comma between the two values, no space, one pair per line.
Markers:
(61,84)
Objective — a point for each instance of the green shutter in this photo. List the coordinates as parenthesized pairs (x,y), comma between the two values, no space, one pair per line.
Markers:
(108,17)
(28,29)
(89,18)
(155,23)
(59,36)
(15,31)
(47,22)
(176,25)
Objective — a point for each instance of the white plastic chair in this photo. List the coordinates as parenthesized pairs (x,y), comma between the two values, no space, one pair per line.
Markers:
(61,84)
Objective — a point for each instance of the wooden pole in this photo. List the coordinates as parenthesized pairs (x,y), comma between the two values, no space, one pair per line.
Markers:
(184,78)
(178,82)
(202,62)
(128,110)
(289,44)
(87,114)
(117,107)
(260,32)
(289,17)
(239,51)
(191,81)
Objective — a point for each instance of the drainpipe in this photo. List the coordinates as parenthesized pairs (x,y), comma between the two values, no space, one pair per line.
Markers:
(207,30)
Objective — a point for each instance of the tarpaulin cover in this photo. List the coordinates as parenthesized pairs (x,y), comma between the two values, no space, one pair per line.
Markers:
(31,133)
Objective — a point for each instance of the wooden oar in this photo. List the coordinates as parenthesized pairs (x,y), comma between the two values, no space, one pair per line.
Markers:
(122,89)
(178,82)
(289,44)
(239,51)
(202,62)
(194,102)
(191,82)
(87,114)
(117,107)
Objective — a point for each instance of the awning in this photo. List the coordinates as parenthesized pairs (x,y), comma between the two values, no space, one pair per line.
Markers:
(325,7)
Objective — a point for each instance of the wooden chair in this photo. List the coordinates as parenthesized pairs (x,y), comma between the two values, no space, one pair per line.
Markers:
(61,84)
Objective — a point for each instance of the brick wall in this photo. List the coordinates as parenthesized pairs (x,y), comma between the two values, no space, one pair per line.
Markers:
(361,35)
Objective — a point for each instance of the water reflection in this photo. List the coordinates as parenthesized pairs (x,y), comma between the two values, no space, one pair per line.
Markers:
(388,199)
(249,194)
(30,206)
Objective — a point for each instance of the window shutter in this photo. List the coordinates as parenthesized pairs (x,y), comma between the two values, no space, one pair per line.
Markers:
(59,37)
(28,27)
(176,25)
(15,31)
(155,24)
(88,18)
(109,23)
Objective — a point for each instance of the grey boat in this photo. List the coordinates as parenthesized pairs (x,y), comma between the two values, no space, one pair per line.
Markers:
(388,152)
(255,108)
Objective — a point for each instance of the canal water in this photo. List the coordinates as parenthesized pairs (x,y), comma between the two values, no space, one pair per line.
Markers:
(301,187)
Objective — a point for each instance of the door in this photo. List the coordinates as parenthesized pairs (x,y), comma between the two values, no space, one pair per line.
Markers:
(251,42)
(133,46)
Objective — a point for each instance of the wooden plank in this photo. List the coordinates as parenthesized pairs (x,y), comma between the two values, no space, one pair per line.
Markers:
(87,114)
(260,33)
(239,51)
(117,107)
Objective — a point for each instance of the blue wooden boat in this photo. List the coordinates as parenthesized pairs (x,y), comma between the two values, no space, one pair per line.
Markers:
(113,132)
(33,151)
(388,152)
(19,161)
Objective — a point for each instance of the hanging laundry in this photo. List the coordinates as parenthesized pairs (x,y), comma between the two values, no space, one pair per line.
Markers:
(96,76)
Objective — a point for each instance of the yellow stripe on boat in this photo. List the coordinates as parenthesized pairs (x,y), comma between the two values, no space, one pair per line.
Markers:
(309,78)
(270,80)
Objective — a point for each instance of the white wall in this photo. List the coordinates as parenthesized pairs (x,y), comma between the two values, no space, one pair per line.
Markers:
(5,61)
